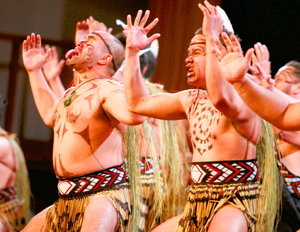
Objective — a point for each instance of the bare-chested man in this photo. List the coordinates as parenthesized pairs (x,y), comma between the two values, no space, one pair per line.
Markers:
(88,122)
(286,85)
(224,131)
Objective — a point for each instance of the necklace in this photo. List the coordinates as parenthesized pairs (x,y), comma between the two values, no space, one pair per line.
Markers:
(69,99)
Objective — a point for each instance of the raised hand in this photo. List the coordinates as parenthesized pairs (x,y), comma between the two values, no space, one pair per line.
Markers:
(212,21)
(137,34)
(263,79)
(82,30)
(94,25)
(52,68)
(33,57)
(233,64)
(261,57)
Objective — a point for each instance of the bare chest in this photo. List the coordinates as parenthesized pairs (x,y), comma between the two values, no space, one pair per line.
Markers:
(206,125)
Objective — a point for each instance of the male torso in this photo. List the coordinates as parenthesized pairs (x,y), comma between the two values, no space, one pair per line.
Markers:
(213,134)
(84,139)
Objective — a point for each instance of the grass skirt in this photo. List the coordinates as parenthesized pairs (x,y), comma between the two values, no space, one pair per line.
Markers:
(12,215)
(67,214)
(204,201)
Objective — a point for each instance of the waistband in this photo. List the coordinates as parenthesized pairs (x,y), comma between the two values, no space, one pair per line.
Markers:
(93,182)
(221,172)
(8,194)
(292,181)
(146,165)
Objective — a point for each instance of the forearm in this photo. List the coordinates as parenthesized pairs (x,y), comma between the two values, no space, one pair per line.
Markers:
(283,95)
(220,92)
(268,105)
(57,87)
(135,89)
(42,94)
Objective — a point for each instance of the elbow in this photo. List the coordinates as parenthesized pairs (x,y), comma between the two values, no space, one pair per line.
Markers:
(219,102)
(136,120)
(133,107)
(48,121)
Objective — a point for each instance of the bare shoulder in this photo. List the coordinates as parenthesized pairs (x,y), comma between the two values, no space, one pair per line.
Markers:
(110,88)
(187,96)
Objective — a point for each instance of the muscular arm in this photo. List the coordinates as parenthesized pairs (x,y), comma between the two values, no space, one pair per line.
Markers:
(220,91)
(113,101)
(33,61)
(163,106)
(268,105)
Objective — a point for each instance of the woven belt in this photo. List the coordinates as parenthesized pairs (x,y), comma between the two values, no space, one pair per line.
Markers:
(232,171)
(146,165)
(8,194)
(93,182)
(292,181)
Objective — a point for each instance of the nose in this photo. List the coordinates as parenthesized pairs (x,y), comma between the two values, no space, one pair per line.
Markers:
(80,44)
(189,59)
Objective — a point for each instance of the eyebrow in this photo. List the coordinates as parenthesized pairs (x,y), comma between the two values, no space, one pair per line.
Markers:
(113,61)
(89,37)
(198,43)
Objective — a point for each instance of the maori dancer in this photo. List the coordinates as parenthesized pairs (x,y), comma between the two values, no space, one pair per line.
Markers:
(287,150)
(171,145)
(225,133)
(88,121)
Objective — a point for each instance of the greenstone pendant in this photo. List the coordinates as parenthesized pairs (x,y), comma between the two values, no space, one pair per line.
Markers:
(68,100)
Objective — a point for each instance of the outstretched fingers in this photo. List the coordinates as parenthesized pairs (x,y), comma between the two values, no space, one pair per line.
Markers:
(26,44)
(129,23)
(151,25)
(220,46)
(248,55)
(32,40)
(227,42)
(203,9)
(211,8)
(138,18)
(236,44)
(219,51)
(145,18)
(153,37)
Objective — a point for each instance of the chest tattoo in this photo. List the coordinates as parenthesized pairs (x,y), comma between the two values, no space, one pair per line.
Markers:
(63,170)
(89,99)
(201,128)
(86,136)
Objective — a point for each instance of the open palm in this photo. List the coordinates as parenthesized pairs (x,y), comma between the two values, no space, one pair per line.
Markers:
(137,35)
(233,63)
(234,66)
(33,58)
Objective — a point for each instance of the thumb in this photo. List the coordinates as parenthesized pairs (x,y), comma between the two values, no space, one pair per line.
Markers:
(61,65)
(248,56)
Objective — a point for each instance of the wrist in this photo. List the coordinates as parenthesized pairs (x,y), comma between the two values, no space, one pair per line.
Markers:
(34,71)
(239,84)
(130,51)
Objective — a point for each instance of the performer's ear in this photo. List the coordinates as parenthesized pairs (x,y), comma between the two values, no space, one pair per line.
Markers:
(105,59)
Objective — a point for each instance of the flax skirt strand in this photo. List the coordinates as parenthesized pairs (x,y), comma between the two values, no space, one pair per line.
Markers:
(204,201)
(67,214)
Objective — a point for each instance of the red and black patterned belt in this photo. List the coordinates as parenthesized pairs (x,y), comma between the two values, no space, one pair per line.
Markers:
(93,182)
(292,181)
(220,172)
(8,194)
(146,165)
